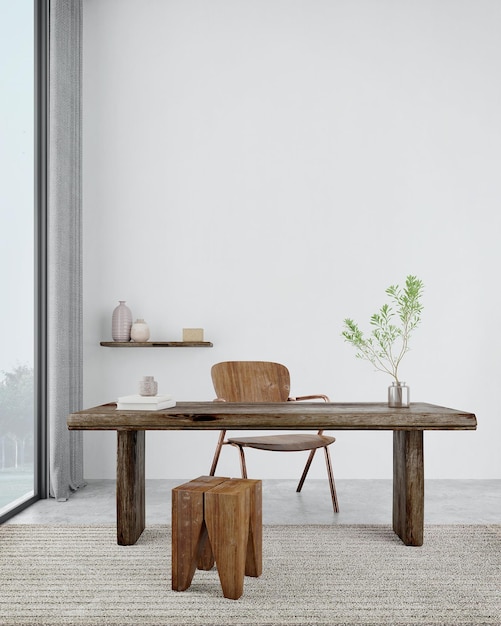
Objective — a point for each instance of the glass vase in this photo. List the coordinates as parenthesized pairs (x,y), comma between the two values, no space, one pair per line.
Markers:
(398,395)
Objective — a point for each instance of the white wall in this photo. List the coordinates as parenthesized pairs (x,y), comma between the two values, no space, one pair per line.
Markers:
(264,169)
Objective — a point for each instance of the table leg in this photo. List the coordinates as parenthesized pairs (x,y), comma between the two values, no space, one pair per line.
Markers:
(408,486)
(130,486)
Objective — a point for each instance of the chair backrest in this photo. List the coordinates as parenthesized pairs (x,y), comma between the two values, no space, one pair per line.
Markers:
(251,381)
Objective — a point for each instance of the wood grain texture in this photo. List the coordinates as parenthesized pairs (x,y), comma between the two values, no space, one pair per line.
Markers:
(275,416)
(408,486)
(254,560)
(407,424)
(190,543)
(156,344)
(251,381)
(284,443)
(232,515)
(130,486)
(220,517)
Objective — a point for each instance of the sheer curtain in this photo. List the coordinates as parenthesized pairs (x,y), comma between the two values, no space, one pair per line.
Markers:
(64,262)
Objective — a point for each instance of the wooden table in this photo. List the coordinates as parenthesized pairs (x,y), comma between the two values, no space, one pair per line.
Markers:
(407,425)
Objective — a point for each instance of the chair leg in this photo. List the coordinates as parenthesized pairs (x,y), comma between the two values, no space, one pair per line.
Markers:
(305,471)
(242,462)
(217,453)
(335,503)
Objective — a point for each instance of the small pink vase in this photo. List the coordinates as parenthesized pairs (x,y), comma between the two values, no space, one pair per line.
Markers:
(121,322)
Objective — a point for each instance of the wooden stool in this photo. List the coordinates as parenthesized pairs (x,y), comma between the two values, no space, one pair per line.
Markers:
(217,519)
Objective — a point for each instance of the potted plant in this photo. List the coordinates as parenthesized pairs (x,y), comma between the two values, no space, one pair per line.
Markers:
(388,341)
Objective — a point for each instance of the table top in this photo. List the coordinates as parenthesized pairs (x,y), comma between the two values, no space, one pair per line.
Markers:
(275,416)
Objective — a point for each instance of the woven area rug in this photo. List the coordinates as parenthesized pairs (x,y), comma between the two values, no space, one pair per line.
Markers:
(52,575)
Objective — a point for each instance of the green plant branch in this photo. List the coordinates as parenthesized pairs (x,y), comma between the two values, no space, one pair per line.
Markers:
(374,358)
(379,348)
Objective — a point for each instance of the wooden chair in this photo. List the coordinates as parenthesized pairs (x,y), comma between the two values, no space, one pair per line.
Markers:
(263,381)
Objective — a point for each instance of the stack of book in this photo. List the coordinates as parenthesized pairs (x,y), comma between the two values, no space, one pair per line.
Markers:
(145,403)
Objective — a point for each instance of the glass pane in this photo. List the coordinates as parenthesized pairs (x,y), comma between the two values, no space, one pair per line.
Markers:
(17,198)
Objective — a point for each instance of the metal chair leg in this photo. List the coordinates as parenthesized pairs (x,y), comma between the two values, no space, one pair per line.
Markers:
(335,503)
(305,471)
(242,462)
(220,442)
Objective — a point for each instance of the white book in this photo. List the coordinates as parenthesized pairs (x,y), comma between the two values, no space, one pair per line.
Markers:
(145,399)
(145,403)
(145,406)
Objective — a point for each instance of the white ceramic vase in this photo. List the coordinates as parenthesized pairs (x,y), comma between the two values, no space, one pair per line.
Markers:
(121,322)
(140,331)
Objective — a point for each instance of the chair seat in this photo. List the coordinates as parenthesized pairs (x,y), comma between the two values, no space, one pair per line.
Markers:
(284,443)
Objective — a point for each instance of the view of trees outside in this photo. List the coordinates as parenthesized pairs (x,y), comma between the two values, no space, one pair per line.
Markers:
(16,435)
(17,237)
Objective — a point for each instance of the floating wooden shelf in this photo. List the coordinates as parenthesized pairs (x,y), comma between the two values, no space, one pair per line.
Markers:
(156,344)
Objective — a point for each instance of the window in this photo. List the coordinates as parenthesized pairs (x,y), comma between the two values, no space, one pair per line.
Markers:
(21,252)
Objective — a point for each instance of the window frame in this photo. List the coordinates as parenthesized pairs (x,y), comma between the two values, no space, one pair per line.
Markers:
(41,177)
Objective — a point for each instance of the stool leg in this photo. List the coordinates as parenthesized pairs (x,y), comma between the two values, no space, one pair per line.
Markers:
(205,554)
(187,527)
(190,542)
(254,560)
(227,517)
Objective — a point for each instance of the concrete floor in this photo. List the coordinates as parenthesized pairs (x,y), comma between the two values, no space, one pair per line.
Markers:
(360,502)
